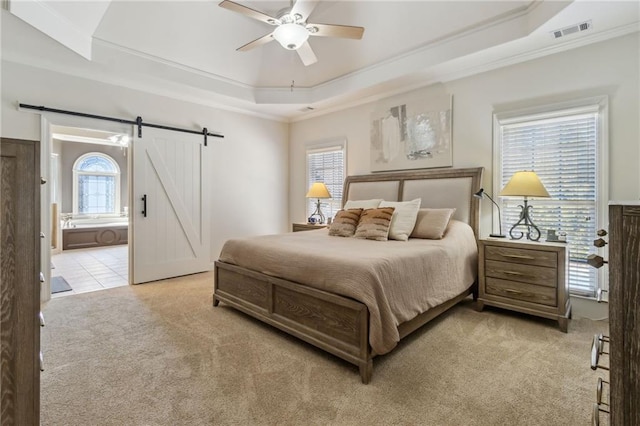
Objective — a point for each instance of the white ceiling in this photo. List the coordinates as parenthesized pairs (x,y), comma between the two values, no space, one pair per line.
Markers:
(187,49)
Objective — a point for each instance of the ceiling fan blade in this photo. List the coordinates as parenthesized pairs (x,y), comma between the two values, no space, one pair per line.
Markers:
(306,54)
(304,8)
(342,31)
(255,43)
(247,11)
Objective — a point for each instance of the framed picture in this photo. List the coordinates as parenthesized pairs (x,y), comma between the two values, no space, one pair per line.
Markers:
(413,135)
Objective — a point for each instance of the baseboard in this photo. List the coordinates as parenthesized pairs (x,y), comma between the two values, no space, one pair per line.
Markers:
(583,307)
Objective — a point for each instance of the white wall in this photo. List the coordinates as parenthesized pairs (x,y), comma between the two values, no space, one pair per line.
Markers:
(249,166)
(606,68)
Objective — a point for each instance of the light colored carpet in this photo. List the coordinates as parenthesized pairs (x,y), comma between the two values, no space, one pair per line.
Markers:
(160,354)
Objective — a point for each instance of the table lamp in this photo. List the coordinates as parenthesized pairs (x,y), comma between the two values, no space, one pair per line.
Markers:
(318,190)
(525,184)
(480,194)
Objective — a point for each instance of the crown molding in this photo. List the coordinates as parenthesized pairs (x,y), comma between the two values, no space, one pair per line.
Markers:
(584,40)
(161,88)
(499,29)
(157,60)
(449,58)
(451,71)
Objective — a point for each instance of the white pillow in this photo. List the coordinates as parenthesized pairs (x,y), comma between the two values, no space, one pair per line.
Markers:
(362,204)
(404,218)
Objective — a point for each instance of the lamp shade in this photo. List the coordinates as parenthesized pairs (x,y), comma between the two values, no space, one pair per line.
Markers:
(291,36)
(318,190)
(524,184)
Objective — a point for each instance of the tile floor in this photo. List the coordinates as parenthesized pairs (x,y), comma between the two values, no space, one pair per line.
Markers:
(92,269)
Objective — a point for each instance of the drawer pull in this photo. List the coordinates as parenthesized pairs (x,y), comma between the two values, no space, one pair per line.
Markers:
(595,415)
(597,349)
(599,243)
(508,290)
(41,277)
(599,294)
(601,341)
(519,256)
(41,361)
(596,261)
(599,392)
(519,274)
(41,317)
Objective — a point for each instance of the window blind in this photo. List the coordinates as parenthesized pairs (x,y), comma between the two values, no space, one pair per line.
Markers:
(326,165)
(562,150)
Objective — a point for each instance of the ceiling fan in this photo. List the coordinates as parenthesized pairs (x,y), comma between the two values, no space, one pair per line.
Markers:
(292,29)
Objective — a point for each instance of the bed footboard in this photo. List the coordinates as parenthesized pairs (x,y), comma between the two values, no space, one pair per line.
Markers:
(336,324)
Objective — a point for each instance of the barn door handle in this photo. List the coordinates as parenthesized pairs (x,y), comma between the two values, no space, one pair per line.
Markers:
(144,205)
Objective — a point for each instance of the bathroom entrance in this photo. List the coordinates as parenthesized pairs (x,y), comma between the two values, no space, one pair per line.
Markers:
(167,193)
(89,210)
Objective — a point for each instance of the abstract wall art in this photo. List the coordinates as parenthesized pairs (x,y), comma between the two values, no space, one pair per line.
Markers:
(412,135)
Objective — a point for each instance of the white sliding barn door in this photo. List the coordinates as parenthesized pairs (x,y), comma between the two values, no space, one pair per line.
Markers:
(171,237)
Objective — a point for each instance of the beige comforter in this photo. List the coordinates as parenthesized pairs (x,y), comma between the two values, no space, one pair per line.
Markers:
(396,280)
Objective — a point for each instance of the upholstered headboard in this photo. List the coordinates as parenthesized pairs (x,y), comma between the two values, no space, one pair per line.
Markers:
(438,188)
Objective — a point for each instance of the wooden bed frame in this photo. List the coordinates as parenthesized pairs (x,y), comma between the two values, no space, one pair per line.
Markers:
(334,323)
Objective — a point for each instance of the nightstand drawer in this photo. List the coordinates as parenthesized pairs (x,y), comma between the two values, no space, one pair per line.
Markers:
(538,275)
(524,256)
(521,291)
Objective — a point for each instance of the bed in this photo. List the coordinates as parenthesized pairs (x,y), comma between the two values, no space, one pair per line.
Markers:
(303,283)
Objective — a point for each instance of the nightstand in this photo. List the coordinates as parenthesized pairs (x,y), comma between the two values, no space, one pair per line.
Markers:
(306,226)
(525,276)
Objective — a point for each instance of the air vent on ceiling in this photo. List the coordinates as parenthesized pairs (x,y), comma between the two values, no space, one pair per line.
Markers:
(583,26)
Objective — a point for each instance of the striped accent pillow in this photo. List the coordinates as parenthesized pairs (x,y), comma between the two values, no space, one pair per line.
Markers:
(345,223)
(374,224)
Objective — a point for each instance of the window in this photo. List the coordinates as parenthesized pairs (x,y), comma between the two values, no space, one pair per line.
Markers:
(326,164)
(565,148)
(96,185)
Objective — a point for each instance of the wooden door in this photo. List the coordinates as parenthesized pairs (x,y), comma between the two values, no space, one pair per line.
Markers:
(170,207)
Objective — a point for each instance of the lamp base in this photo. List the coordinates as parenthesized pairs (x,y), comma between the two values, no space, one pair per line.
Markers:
(532,232)
(317,213)
(497,236)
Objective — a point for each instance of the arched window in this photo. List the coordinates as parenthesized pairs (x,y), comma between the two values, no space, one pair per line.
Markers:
(96,185)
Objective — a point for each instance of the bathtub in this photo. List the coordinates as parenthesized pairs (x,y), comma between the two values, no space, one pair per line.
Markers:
(92,222)
(94,232)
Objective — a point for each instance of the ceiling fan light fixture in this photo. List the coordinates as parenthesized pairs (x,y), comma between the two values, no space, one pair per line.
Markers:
(291,36)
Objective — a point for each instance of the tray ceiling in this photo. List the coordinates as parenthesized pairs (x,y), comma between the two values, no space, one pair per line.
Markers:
(188,49)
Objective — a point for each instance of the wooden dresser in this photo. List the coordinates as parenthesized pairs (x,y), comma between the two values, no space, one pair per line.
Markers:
(624,313)
(525,276)
(20,282)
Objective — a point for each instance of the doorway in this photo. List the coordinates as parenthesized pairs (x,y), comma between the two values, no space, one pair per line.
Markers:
(167,219)
(89,193)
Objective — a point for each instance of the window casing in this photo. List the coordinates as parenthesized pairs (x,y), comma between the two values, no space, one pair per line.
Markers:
(326,163)
(566,146)
(96,185)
